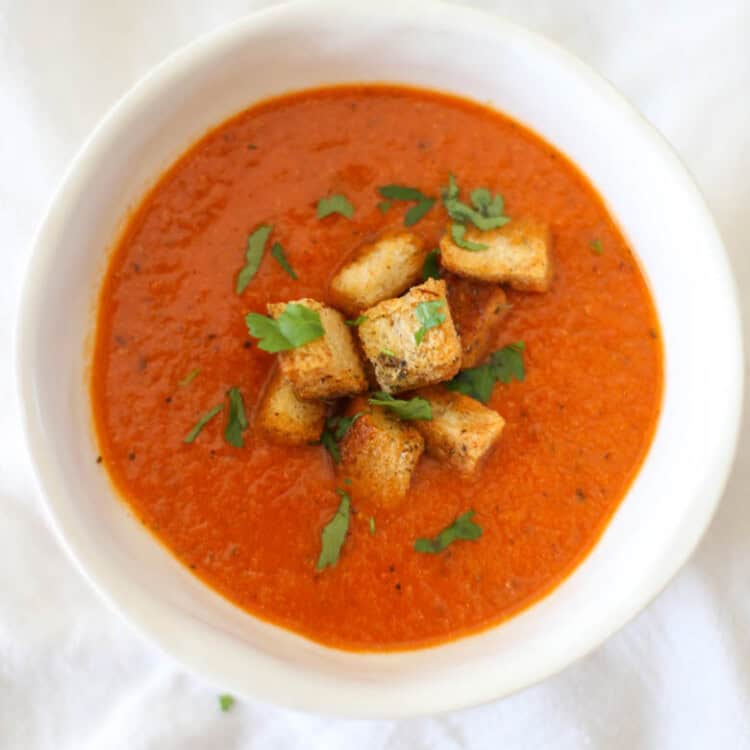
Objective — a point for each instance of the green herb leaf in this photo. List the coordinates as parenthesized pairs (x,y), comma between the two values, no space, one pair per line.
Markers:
(297,325)
(458,234)
(357,321)
(189,378)
(334,533)
(256,243)
(504,365)
(335,204)
(430,316)
(277,253)
(486,214)
(202,422)
(431,268)
(418,211)
(226,702)
(596,246)
(372,526)
(383,206)
(334,431)
(451,191)
(237,422)
(388,352)
(462,528)
(407,409)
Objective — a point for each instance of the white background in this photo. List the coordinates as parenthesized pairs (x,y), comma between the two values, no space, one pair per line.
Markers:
(73,676)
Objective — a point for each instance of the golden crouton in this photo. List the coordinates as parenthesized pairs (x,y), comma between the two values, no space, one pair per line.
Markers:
(389,339)
(379,454)
(286,418)
(517,254)
(328,367)
(462,431)
(379,271)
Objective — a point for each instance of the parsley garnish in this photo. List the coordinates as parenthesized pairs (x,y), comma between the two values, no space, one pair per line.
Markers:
(334,533)
(458,235)
(383,206)
(487,211)
(237,422)
(202,422)
(335,204)
(372,526)
(226,702)
(256,242)
(431,268)
(297,325)
(423,203)
(413,408)
(596,246)
(334,431)
(189,378)
(429,315)
(277,253)
(357,321)
(388,352)
(462,528)
(504,365)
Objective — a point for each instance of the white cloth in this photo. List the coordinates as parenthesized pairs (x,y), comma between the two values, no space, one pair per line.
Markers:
(72,675)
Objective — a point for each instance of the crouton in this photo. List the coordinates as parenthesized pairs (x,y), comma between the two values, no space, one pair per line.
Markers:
(389,341)
(379,271)
(478,310)
(285,418)
(328,367)
(379,454)
(517,255)
(462,431)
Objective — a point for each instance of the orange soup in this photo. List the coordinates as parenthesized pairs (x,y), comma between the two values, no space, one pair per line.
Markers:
(250,521)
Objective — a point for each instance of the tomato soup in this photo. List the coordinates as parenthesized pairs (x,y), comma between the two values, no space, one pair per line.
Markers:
(171,341)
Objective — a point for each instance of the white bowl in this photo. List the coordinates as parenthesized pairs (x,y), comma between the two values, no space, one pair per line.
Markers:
(480,57)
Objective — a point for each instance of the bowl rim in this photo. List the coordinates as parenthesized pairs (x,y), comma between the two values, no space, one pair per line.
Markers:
(40,257)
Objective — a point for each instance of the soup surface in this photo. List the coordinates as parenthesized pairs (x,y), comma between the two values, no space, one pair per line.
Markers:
(248,520)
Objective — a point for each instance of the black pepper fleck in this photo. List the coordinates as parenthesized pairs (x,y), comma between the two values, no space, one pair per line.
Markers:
(247,344)
(398,587)
(391,568)
(98,459)
(168,400)
(131,456)
(580,494)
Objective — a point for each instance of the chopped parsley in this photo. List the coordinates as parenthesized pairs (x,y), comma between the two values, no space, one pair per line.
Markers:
(277,253)
(256,243)
(335,204)
(486,212)
(334,431)
(407,409)
(237,422)
(372,526)
(422,203)
(388,352)
(462,528)
(357,321)
(383,206)
(430,316)
(596,246)
(297,325)
(504,365)
(226,702)
(190,377)
(458,235)
(334,533)
(431,267)
(202,422)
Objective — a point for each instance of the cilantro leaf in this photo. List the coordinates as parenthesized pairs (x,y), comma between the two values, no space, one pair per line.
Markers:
(334,533)
(462,528)
(226,702)
(202,422)
(429,315)
(596,246)
(383,206)
(407,409)
(486,213)
(418,211)
(422,203)
(277,253)
(334,431)
(503,365)
(357,321)
(237,422)
(256,243)
(297,325)
(335,204)
(189,378)
(431,269)
(458,234)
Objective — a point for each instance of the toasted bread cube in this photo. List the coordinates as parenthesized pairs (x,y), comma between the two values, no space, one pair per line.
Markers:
(388,340)
(379,271)
(461,432)
(328,367)
(285,418)
(517,255)
(379,454)
(478,310)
